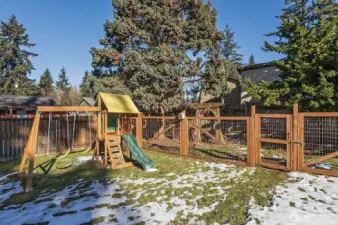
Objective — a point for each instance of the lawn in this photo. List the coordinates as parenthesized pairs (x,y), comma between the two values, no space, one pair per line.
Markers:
(182,191)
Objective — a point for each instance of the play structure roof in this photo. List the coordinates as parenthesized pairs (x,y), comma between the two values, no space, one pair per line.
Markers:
(116,103)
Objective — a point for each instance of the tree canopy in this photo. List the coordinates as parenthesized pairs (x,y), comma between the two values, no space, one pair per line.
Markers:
(308,37)
(15,59)
(252,60)
(229,47)
(46,83)
(154,48)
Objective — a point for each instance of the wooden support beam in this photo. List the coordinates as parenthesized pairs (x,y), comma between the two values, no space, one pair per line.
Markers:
(295,137)
(32,149)
(204,132)
(139,131)
(184,137)
(162,132)
(32,134)
(239,118)
(275,141)
(251,138)
(67,109)
(322,159)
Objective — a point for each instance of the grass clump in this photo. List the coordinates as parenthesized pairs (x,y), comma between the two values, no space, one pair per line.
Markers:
(95,221)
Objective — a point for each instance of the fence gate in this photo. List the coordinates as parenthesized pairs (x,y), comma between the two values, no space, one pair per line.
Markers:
(318,135)
(273,140)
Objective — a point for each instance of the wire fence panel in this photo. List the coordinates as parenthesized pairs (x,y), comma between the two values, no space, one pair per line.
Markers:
(274,140)
(274,153)
(273,128)
(219,139)
(161,134)
(321,143)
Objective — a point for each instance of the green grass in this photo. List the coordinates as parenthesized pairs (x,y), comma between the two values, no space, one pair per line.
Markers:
(233,209)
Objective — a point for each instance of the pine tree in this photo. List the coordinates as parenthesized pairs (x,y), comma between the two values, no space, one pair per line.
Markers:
(229,47)
(146,49)
(252,60)
(63,88)
(86,85)
(63,83)
(309,40)
(46,83)
(15,62)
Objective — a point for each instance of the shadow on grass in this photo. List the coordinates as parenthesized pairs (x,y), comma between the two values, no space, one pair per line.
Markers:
(45,187)
(215,154)
(162,148)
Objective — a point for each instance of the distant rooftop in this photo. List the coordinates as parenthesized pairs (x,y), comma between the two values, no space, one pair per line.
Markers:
(13,100)
(257,66)
(88,100)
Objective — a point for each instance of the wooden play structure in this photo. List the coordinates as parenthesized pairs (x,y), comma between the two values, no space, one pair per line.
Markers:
(114,115)
(203,110)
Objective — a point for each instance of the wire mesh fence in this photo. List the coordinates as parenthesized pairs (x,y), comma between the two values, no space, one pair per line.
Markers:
(273,128)
(219,139)
(321,143)
(274,153)
(161,134)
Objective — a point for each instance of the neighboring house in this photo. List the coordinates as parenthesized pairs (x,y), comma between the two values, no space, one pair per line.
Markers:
(232,99)
(22,105)
(258,72)
(87,101)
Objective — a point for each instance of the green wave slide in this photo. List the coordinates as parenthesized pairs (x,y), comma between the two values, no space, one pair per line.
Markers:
(146,163)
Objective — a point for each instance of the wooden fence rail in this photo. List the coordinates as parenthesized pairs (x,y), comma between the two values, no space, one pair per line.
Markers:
(14,134)
(298,141)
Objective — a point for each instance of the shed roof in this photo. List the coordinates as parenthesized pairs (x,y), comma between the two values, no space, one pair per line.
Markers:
(88,100)
(116,103)
(13,100)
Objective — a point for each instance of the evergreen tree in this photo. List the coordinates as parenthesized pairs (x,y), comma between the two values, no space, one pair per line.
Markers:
(63,88)
(308,37)
(46,83)
(15,63)
(63,83)
(252,60)
(86,86)
(229,47)
(147,47)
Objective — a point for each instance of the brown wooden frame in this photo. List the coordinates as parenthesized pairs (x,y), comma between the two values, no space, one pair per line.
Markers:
(287,142)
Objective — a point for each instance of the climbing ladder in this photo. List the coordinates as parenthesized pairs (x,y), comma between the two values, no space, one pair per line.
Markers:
(115,153)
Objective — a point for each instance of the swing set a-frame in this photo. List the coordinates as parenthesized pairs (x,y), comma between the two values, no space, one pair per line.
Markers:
(114,125)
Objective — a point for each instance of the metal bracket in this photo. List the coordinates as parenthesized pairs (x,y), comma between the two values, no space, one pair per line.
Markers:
(296,142)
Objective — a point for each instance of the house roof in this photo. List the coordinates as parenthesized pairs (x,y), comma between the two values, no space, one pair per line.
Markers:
(116,103)
(13,100)
(90,101)
(257,66)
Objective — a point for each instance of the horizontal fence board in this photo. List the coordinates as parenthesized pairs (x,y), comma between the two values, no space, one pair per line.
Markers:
(14,135)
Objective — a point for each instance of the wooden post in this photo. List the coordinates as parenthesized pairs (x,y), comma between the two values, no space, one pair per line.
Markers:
(184,137)
(30,142)
(301,140)
(106,144)
(251,134)
(139,130)
(32,150)
(294,146)
(219,135)
(257,143)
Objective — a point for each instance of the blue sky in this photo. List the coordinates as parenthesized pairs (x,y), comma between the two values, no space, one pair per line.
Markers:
(65,30)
